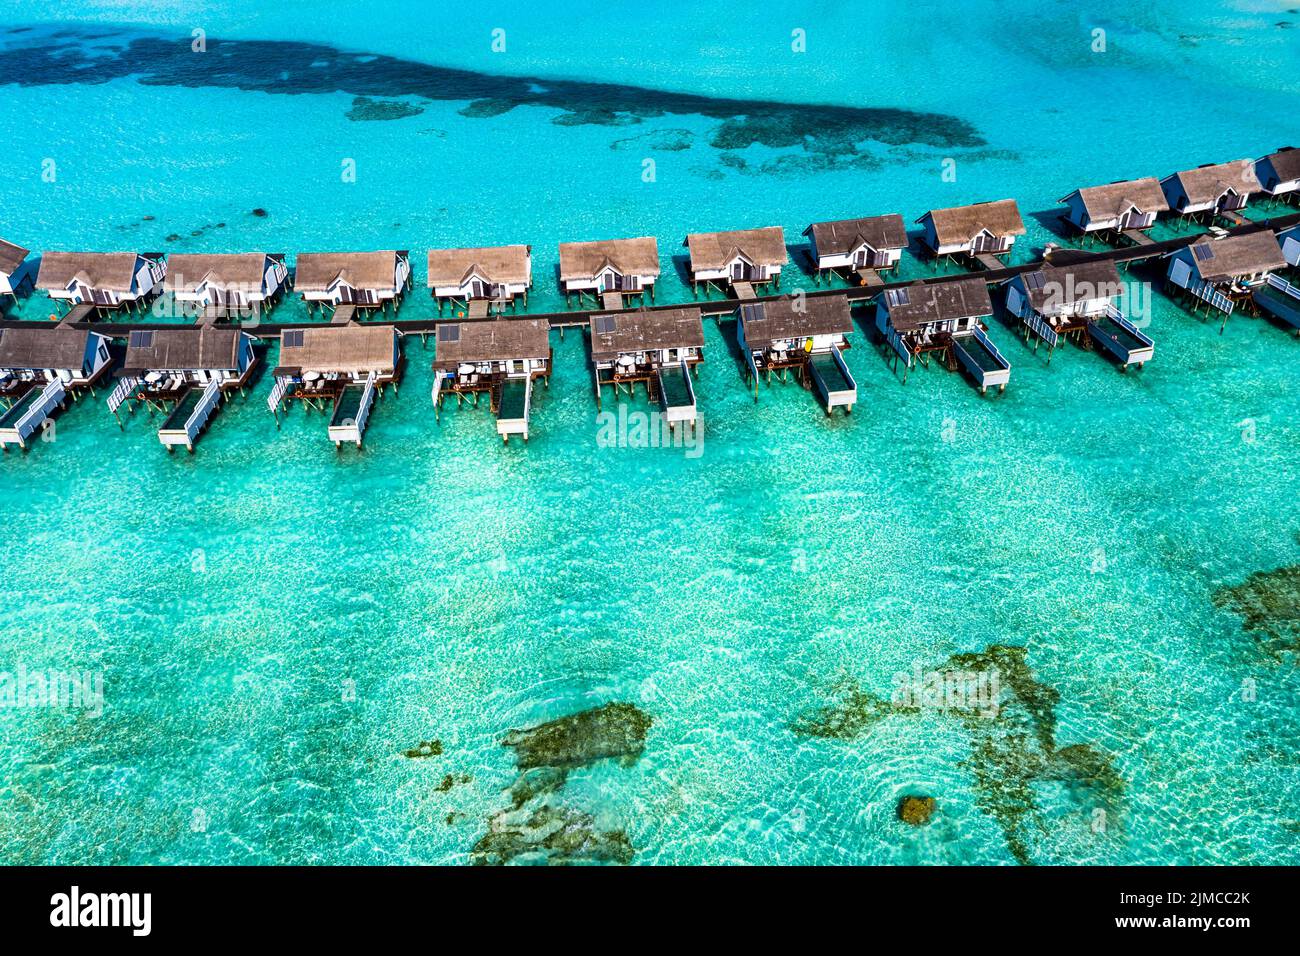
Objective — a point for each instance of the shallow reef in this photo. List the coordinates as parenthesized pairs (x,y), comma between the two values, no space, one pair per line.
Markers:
(365,109)
(537,827)
(611,730)
(382,87)
(1268,603)
(1013,745)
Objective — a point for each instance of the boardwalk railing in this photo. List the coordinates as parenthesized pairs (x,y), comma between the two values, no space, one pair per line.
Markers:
(203,410)
(51,397)
(1211,296)
(121,392)
(992,349)
(1035,324)
(367,400)
(278,391)
(896,343)
(1286,288)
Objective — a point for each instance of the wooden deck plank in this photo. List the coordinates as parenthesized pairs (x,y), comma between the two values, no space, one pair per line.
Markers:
(870,278)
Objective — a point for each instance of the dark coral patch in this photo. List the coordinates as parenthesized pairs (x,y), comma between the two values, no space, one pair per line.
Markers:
(613,730)
(1013,744)
(364,109)
(537,827)
(1268,603)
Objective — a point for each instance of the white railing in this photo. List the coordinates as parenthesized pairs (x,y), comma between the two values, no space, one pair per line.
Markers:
(1035,323)
(1212,296)
(690,386)
(278,391)
(121,393)
(528,402)
(203,411)
(50,398)
(367,400)
(1118,317)
(1286,288)
(896,342)
(437,388)
(992,349)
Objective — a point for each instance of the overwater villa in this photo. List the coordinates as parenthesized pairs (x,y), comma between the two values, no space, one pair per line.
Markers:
(1120,209)
(1079,302)
(1225,272)
(1219,190)
(39,368)
(350,284)
(339,368)
(183,372)
(740,260)
(91,283)
(14,272)
(501,358)
(981,232)
(1279,173)
(610,271)
(804,336)
(860,247)
(946,318)
(476,281)
(227,285)
(660,348)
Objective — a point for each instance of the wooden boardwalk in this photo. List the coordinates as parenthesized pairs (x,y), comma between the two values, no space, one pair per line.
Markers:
(716,307)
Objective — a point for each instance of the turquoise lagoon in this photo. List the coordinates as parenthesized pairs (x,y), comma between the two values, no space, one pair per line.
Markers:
(277,624)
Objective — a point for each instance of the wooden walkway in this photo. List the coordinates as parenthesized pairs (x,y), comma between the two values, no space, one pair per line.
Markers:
(717,307)
(870,278)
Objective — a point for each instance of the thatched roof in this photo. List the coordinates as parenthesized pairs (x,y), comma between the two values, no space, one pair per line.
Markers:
(961,224)
(186,271)
(1114,199)
(110,271)
(1208,183)
(317,271)
(1286,163)
(496,340)
(11,257)
(500,264)
(845,235)
(711,251)
(56,347)
(184,349)
(586,260)
(1240,255)
(916,305)
(622,332)
(796,318)
(339,349)
(1051,288)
